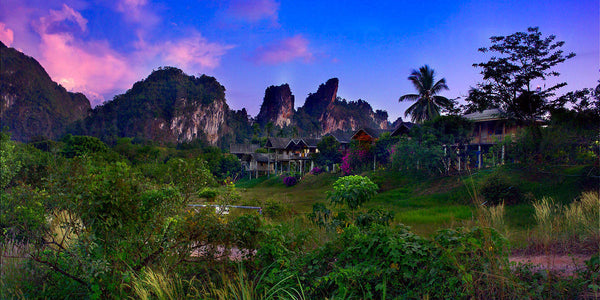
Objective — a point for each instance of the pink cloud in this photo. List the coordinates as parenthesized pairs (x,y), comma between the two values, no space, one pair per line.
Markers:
(58,16)
(7,36)
(137,11)
(254,11)
(89,67)
(194,51)
(284,51)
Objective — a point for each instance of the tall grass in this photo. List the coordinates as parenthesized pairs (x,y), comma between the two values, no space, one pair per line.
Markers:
(548,224)
(494,216)
(582,217)
(159,285)
(577,224)
(242,287)
(13,273)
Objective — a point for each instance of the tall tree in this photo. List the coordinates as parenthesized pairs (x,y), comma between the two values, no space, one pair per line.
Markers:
(428,104)
(519,62)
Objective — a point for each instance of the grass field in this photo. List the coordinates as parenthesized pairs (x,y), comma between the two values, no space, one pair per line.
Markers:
(428,204)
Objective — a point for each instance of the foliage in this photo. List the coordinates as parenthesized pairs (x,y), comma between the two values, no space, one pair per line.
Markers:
(377,262)
(564,142)
(329,153)
(584,100)
(82,145)
(207,193)
(22,215)
(523,59)
(450,130)
(275,209)
(359,158)
(281,244)
(374,216)
(383,148)
(290,180)
(418,156)
(497,190)
(432,147)
(10,164)
(428,104)
(188,175)
(353,191)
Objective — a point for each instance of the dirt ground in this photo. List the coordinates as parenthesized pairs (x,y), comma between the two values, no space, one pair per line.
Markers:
(564,264)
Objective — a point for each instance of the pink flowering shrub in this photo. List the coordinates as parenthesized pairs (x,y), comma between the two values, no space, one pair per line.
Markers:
(316,171)
(356,160)
(346,169)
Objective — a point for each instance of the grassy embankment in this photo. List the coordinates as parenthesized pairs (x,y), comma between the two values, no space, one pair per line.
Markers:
(429,204)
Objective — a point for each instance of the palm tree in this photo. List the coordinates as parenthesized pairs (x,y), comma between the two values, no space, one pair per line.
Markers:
(428,103)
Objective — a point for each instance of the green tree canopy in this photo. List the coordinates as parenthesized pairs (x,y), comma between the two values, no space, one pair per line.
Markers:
(328,151)
(520,61)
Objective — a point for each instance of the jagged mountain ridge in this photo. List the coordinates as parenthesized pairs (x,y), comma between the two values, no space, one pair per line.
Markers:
(31,104)
(168,106)
(277,106)
(322,112)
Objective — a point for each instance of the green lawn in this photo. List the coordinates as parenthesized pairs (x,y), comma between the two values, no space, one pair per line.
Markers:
(429,204)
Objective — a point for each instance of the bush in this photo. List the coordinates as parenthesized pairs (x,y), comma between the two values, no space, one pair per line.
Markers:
(497,190)
(290,181)
(380,262)
(352,191)
(374,216)
(208,193)
(316,171)
(273,209)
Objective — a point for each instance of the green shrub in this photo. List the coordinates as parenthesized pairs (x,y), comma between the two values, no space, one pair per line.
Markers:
(352,191)
(374,216)
(273,209)
(208,193)
(379,261)
(497,190)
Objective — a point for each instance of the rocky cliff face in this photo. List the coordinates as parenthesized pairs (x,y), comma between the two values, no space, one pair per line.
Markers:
(316,104)
(277,106)
(31,104)
(197,121)
(168,106)
(323,112)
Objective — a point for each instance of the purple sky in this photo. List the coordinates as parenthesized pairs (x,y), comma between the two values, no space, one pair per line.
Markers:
(101,48)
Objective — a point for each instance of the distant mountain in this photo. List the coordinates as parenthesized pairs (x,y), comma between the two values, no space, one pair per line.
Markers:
(168,106)
(31,104)
(277,106)
(323,112)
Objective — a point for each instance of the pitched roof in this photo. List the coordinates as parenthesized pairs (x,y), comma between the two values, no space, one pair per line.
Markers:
(243,148)
(374,133)
(341,137)
(277,142)
(404,127)
(311,142)
(486,115)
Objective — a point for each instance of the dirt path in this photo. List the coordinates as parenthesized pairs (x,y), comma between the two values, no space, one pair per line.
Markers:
(564,264)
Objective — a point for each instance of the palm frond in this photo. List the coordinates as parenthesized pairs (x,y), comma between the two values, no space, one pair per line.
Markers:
(439,86)
(428,103)
(409,97)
